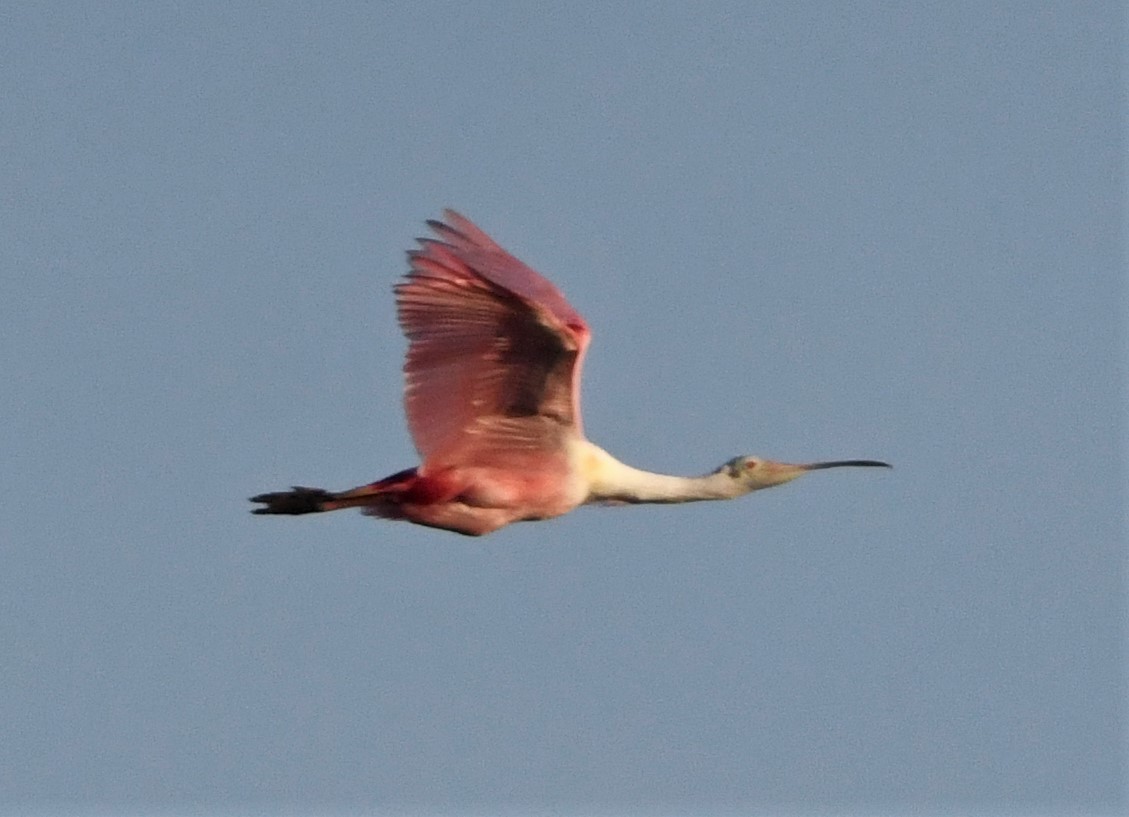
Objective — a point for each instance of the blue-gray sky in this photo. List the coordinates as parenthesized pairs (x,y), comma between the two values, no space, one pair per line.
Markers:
(801,230)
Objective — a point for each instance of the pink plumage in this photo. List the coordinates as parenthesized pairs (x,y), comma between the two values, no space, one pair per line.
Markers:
(494,353)
(492,397)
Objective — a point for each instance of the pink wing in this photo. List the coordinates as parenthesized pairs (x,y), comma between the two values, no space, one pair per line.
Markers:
(494,355)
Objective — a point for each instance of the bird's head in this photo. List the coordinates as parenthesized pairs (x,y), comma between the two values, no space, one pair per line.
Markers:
(754,473)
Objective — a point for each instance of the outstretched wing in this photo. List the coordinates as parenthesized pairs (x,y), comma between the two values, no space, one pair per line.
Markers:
(494,353)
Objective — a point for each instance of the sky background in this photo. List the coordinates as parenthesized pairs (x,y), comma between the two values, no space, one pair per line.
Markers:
(799,230)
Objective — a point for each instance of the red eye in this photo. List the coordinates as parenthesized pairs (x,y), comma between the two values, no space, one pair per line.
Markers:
(750,465)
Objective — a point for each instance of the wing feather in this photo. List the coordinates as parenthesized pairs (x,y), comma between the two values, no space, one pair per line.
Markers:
(494,352)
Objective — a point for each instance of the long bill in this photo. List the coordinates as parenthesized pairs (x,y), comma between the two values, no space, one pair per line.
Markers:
(817,466)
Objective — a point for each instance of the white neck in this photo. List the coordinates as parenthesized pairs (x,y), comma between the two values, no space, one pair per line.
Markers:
(610,480)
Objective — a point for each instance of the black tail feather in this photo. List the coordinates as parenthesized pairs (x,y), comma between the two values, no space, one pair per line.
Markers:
(296,501)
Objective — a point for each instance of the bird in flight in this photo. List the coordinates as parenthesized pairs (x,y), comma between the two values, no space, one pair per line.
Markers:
(492,398)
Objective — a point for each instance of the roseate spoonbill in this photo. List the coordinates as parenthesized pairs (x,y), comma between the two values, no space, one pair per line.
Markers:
(493,403)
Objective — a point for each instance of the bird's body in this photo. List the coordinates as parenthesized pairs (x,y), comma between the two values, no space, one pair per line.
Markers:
(493,403)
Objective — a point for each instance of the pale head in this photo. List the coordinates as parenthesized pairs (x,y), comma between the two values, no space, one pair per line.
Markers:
(754,473)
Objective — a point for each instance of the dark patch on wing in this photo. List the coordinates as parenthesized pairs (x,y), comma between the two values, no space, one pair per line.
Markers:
(539,370)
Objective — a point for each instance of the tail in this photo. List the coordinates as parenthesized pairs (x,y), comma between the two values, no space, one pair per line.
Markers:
(299,500)
(296,501)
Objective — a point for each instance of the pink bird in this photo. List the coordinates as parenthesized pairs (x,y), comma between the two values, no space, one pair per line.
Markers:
(493,404)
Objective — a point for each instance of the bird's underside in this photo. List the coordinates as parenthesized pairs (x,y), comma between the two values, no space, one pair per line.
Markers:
(492,398)
(454,516)
(468,501)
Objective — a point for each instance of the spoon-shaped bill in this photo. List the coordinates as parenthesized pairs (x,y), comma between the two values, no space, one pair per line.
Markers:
(816,466)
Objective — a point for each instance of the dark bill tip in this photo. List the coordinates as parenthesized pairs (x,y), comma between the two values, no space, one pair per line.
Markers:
(816,466)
